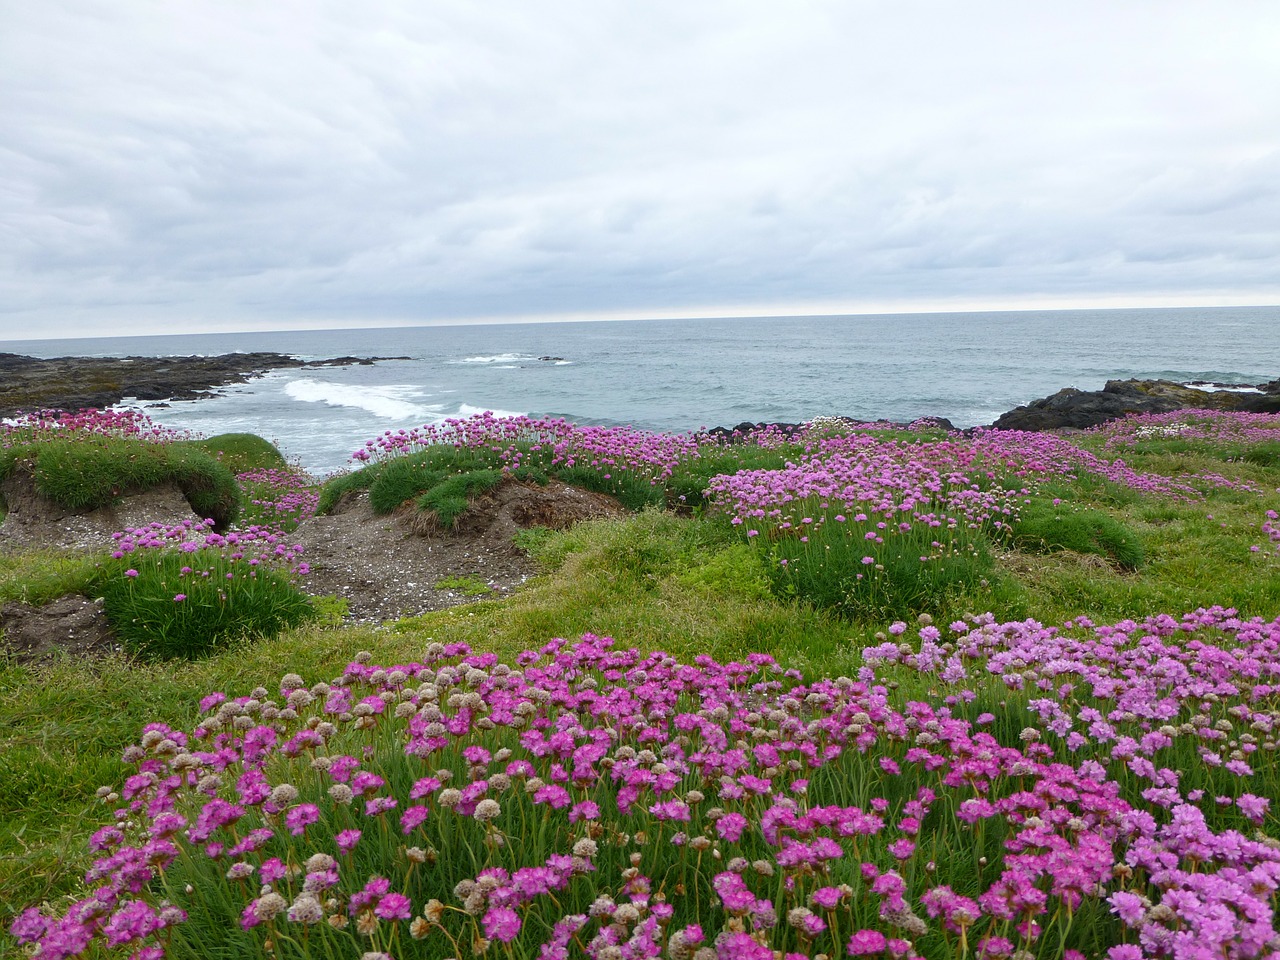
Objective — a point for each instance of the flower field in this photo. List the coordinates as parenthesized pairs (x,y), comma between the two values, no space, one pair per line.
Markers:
(873,693)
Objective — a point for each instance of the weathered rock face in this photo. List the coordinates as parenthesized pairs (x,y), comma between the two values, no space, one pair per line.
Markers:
(75,383)
(33,522)
(1080,409)
(746,429)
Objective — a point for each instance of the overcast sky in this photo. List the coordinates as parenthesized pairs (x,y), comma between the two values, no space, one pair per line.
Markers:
(187,165)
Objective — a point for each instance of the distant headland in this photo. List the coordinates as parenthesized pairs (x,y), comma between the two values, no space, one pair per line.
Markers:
(72,383)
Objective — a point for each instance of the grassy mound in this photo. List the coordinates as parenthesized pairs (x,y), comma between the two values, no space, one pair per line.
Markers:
(167,609)
(85,473)
(239,452)
(1046,527)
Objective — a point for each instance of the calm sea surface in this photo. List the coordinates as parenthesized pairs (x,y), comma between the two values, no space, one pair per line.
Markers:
(677,375)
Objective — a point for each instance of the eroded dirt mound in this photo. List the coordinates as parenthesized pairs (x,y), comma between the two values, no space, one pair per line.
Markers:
(385,567)
(33,522)
(390,566)
(74,624)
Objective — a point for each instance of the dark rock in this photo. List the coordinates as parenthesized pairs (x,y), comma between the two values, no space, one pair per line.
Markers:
(746,428)
(75,383)
(1079,409)
(556,359)
(837,423)
(939,423)
(1268,401)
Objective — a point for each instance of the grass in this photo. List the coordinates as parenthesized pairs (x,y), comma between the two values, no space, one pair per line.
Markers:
(40,576)
(1047,527)
(238,452)
(165,609)
(468,586)
(88,473)
(683,581)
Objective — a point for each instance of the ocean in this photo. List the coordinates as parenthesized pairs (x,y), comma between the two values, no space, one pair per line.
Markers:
(680,375)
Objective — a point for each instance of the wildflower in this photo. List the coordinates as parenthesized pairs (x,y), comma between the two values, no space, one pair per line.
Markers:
(300,817)
(501,923)
(433,911)
(486,810)
(393,906)
(347,839)
(306,909)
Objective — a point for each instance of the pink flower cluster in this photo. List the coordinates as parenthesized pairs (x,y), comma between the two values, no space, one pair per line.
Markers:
(51,424)
(1127,694)
(280,499)
(872,483)
(590,800)
(1216,427)
(253,546)
(559,442)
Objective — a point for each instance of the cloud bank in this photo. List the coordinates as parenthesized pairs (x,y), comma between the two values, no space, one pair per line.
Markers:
(235,165)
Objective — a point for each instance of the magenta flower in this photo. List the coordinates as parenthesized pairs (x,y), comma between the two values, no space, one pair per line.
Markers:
(394,906)
(346,840)
(300,817)
(501,923)
(866,943)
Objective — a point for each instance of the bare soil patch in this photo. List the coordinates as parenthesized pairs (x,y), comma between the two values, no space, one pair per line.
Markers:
(74,625)
(389,566)
(385,567)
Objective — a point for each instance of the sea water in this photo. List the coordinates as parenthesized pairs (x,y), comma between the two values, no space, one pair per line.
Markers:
(679,375)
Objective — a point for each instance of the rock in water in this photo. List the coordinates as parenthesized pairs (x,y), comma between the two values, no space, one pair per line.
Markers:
(1081,409)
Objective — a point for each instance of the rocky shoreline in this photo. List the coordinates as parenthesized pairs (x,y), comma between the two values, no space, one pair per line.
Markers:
(1072,409)
(28,384)
(72,383)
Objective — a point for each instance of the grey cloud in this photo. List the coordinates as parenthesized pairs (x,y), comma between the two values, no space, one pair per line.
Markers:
(409,161)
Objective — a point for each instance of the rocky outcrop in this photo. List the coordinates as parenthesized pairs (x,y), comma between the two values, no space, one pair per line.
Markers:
(75,383)
(838,424)
(1081,409)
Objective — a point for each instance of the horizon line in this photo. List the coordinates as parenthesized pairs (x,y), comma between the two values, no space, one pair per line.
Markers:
(316,325)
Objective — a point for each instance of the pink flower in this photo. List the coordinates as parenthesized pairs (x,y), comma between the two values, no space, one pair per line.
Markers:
(394,906)
(347,839)
(501,923)
(866,943)
(301,817)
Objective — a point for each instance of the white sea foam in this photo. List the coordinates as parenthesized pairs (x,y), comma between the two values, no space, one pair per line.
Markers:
(390,401)
(466,410)
(501,358)
(1221,387)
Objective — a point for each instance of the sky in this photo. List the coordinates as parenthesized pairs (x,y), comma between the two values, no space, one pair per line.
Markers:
(190,165)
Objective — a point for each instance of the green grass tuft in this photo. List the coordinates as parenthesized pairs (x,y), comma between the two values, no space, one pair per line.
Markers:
(468,586)
(448,498)
(1045,527)
(164,610)
(85,473)
(41,576)
(239,452)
